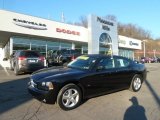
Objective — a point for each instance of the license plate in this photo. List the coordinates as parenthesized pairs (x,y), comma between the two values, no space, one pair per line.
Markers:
(32,61)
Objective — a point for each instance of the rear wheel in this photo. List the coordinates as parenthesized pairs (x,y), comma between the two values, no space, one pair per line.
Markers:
(136,83)
(69,97)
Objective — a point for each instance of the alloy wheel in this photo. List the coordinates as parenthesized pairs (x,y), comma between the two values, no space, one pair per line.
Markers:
(70,98)
(137,83)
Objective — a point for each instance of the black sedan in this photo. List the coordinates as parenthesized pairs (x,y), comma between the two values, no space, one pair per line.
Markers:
(86,77)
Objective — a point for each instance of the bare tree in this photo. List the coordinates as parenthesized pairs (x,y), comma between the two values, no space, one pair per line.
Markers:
(111,17)
(134,31)
(83,22)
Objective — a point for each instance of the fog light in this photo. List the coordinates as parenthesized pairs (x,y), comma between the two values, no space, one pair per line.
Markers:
(50,85)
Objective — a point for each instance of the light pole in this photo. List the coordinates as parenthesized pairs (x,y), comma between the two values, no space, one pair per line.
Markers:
(144,48)
(154,52)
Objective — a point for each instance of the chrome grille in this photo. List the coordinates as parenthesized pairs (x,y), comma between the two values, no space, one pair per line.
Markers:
(32,83)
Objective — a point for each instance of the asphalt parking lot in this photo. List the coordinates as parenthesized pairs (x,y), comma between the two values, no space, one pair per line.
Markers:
(17,104)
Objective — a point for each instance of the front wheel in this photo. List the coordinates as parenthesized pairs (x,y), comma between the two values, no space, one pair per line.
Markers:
(69,97)
(136,83)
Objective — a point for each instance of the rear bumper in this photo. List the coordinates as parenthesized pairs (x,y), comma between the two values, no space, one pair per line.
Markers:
(30,68)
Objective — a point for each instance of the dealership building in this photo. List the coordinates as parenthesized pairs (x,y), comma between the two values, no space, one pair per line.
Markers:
(24,32)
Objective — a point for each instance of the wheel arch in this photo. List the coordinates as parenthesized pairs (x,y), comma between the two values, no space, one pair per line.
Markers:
(75,82)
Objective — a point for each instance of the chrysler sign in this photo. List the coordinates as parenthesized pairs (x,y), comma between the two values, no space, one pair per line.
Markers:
(29,24)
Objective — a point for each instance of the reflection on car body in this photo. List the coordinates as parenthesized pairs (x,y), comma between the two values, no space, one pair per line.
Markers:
(86,77)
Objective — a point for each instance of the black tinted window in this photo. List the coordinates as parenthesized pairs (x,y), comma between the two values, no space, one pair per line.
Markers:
(106,63)
(30,54)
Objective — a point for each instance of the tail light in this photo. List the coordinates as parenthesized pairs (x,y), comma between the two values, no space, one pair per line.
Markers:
(41,58)
(72,58)
(22,58)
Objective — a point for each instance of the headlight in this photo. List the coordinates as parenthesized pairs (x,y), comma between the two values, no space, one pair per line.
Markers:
(45,86)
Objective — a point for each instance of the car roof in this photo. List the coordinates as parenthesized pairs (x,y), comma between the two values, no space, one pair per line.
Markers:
(100,55)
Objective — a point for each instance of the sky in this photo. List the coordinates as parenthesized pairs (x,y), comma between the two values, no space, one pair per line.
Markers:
(144,13)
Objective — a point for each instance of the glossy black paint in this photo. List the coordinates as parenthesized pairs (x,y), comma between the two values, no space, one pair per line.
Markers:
(92,82)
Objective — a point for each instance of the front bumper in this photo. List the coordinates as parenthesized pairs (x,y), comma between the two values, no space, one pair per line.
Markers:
(47,96)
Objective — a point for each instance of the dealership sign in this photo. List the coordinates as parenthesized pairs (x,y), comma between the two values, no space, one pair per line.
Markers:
(29,24)
(126,42)
(102,33)
(133,43)
(123,42)
(67,31)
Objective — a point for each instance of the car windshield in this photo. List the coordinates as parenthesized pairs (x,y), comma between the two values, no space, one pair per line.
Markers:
(82,62)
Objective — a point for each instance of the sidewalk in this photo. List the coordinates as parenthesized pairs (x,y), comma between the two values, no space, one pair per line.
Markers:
(5,64)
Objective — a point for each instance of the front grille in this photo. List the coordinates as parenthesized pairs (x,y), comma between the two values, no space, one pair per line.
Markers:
(33,84)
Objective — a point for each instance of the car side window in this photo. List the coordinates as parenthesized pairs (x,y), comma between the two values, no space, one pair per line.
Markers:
(120,62)
(105,64)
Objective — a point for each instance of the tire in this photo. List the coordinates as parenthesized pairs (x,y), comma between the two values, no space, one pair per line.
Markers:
(16,72)
(69,97)
(136,83)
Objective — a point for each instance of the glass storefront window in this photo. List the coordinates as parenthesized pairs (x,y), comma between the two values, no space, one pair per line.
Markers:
(21,46)
(84,50)
(65,45)
(21,40)
(41,49)
(103,50)
(126,53)
(52,43)
(43,45)
(38,42)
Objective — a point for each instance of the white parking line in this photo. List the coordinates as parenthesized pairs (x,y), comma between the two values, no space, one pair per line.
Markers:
(6,71)
(5,65)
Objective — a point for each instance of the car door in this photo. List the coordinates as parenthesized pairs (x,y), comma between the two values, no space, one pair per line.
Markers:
(102,79)
(108,76)
(124,72)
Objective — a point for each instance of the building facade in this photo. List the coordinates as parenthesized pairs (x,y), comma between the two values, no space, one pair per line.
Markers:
(24,32)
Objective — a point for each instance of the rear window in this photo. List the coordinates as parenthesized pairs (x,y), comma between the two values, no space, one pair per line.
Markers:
(30,54)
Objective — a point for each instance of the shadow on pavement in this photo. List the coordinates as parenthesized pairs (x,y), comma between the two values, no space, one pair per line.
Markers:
(135,111)
(13,94)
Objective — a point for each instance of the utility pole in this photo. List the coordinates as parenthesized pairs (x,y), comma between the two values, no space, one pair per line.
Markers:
(154,52)
(62,17)
(144,48)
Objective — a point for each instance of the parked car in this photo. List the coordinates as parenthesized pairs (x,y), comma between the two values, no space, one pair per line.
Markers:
(86,77)
(26,61)
(158,59)
(60,57)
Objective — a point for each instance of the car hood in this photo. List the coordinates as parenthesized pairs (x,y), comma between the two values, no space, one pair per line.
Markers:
(54,73)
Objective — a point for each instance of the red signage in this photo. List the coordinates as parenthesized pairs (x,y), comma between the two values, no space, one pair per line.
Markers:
(72,32)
